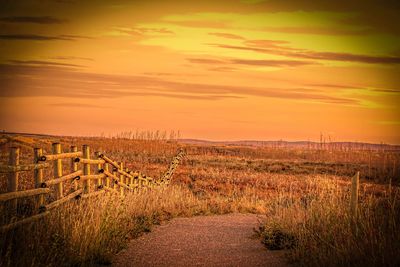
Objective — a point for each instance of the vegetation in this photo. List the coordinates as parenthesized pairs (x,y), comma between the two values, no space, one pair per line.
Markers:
(303,191)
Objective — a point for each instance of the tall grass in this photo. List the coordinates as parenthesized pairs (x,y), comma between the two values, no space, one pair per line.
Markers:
(320,231)
(91,231)
(303,192)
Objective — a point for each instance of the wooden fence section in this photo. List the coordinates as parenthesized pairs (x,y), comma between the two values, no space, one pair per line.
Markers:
(97,175)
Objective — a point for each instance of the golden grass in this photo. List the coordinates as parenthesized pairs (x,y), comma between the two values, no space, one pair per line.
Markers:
(91,231)
(325,234)
(304,193)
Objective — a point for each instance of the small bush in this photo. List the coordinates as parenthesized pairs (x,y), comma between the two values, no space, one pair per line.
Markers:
(274,238)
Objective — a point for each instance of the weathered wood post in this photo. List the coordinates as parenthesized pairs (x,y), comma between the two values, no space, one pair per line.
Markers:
(99,167)
(74,166)
(136,182)
(121,177)
(38,175)
(115,182)
(13,177)
(131,178)
(86,168)
(107,178)
(144,182)
(355,184)
(58,169)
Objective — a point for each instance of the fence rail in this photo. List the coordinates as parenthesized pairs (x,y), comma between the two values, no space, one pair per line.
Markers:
(107,176)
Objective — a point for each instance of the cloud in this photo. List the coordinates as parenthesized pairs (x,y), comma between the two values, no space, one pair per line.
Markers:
(227,35)
(140,31)
(67,82)
(31,19)
(339,86)
(71,58)
(252,62)
(40,62)
(317,30)
(223,69)
(76,105)
(272,63)
(375,15)
(276,49)
(201,24)
(73,36)
(206,61)
(36,37)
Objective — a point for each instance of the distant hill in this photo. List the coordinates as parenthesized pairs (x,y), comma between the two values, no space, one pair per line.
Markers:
(281,143)
(251,143)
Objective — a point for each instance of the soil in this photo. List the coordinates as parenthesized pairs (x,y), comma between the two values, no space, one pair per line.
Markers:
(225,240)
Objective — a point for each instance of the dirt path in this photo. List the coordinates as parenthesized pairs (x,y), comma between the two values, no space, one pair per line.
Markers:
(224,240)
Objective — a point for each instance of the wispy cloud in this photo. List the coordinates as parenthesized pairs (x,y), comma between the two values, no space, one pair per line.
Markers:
(64,82)
(33,19)
(276,49)
(272,63)
(206,61)
(76,105)
(71,58)
(214,24)
(253,62)
(318,30)
(43,63)
(37,37)
(227,35)
(139,31)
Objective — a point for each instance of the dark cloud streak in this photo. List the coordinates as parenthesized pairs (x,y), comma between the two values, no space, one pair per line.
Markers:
(32,19)
(227,35)
(252,62)
(308,54)
(32,37)
(57,81)
(45,63)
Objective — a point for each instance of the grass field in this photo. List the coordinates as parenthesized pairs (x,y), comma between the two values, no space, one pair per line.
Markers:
(304,191)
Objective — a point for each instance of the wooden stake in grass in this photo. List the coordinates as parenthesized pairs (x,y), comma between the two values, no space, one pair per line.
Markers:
(13,177)
(121,178)
(131,178)
(355,184)
(86,167)
(107,178)
(38,174)
(115,182)
(58,169)
(99,167)
(74,166)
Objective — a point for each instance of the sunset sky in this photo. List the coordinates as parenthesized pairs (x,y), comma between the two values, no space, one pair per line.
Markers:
(217,70)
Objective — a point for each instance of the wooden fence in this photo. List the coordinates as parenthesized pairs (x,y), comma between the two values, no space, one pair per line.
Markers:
(84,180)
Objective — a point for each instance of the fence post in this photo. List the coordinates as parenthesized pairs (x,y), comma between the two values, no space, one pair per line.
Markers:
(13,176)
(121,177)
(38,174)
(107,178)
(355,184)
(74,166)
(58,169)
(114,182)
(131,178)
(136,182)
(86,167)
(99,167)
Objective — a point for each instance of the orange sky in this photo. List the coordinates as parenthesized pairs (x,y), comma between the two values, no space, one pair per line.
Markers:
(218,70)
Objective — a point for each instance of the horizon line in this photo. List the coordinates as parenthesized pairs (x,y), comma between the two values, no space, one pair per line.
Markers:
(213,141)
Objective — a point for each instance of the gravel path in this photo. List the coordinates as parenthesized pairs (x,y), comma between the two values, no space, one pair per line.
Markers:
(225,240)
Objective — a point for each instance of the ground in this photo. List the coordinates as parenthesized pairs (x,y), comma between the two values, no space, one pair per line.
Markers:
(225,240)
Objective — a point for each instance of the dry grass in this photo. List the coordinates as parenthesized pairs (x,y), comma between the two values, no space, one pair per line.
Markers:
(304,192)
(323,232)
(91,231)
